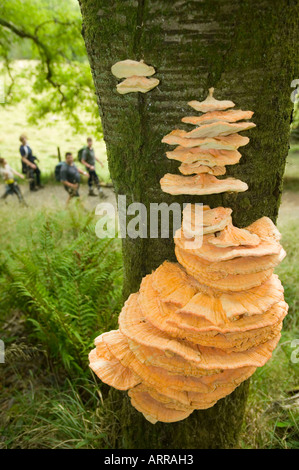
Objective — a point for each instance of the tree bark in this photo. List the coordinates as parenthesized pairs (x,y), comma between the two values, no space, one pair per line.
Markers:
(247,51)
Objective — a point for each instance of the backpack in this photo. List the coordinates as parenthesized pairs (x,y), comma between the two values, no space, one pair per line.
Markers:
(80,153)
(58,170)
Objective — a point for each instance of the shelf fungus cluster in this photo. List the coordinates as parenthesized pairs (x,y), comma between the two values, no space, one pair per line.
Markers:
(199,327)
(206,150)
(135,74)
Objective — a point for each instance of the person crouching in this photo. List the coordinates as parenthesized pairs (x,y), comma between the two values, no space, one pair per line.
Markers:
(70,176)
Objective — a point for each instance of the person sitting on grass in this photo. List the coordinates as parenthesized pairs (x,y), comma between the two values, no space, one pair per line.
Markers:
(89,160)
(70,176)
(12,186)
(29,167)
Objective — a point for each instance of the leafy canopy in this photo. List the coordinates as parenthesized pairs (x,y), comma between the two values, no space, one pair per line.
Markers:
(48,32)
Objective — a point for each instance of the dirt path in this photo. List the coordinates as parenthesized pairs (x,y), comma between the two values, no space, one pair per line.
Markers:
(54,197)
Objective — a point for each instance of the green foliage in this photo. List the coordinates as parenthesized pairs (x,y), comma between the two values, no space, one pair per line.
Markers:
(66,281)
(52,418)
(288,271)
(51,132)
(49,32)
(272,408)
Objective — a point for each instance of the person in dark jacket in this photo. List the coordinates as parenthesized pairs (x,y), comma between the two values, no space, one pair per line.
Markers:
(29,165)
(70,176)
(89,161)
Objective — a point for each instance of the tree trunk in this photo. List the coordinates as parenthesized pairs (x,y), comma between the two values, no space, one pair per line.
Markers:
(247,51)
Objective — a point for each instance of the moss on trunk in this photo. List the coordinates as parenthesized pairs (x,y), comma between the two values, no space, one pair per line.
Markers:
(247,51)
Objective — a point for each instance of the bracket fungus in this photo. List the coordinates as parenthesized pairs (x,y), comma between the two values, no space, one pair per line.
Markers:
(135,74)
(199,327)
(184,343)
(128,68)
(227,142)
(211,104)
(210,157)
(206,150)
(135,84)
(232,115)
(200,184)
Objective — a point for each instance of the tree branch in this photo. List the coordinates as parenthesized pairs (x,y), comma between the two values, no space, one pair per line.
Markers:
(8,69)
(42,49)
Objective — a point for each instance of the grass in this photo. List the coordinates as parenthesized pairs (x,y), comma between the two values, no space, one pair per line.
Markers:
(66,281)
(288,271)
(272,410)
(273,407)
(60,287)
(57,418)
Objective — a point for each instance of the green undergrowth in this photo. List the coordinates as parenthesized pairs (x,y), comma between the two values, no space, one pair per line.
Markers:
(57,417)
(60,287)
(272,417)
(64,280)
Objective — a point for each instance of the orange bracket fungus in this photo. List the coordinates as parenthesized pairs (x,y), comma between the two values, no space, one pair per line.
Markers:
(206,150)
(135,74)
(211,104)
(200,184)
(199,327)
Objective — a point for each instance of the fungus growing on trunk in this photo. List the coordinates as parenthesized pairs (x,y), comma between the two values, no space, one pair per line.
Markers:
(187,339)
(234,236)
(210,157)
(203,183)
(206,150)
(198,328)
(198,168)
(218,129)
(135,74)
(232,115)
(135,84)
(230,142)
(128,68)
(210,103)
(213,220)
(263,228)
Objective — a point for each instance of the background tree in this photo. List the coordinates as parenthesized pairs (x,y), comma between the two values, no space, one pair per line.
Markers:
(247,51)
(48,31)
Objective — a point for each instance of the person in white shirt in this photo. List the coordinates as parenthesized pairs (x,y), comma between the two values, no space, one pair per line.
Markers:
(12,187)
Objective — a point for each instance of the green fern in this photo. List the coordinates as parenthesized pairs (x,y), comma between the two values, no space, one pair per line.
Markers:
(67,282)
